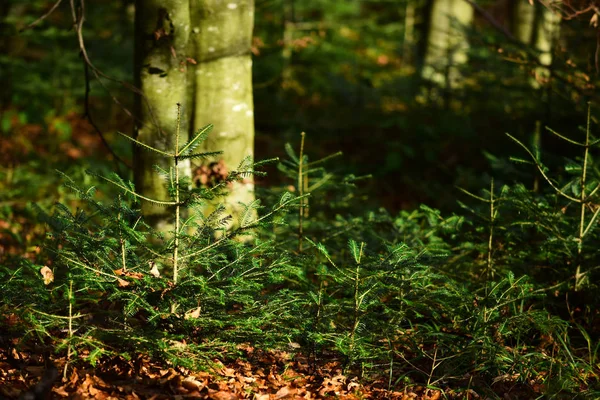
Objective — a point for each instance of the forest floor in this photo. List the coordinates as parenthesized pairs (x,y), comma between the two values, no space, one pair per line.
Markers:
(259,375)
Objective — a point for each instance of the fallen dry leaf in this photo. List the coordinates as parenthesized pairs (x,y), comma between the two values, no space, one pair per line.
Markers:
(122,282)
(154,270)
(228,372)
(129,274)
(47,274)
(285,393)
(193,314)
(222,395)
(190,383)
(435,395)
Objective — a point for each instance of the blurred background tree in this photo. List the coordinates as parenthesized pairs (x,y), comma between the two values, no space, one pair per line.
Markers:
(447,42)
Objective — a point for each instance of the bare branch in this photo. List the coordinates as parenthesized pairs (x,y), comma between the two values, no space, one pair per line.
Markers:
(43,17)
(88,115)
(78,16)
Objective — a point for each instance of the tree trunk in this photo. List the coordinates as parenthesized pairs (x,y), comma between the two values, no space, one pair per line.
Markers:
(222,78)
(537,27)
(196,53)
(523,21)
(546,33)
(161,47)
(447,44)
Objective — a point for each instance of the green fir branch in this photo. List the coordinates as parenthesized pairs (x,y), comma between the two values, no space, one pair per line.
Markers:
(199,136)
(127,190)
(146,147)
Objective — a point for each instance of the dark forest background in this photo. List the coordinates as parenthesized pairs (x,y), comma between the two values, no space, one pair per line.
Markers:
(351,79)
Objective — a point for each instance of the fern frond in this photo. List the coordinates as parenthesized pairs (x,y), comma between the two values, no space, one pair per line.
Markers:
(224,222)
(214,215)
(286,197)
(163,173)
(267,161)
(64,210)
(320,182)
(70,184)
(246,164)
(355,250)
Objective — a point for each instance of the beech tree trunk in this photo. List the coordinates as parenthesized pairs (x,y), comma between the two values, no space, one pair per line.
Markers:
(161,47)
(546,34)
(197,53)
(222,79)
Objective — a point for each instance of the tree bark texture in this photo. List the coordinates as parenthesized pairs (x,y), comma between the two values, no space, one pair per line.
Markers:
(162,42)
(197,53)
(222,78)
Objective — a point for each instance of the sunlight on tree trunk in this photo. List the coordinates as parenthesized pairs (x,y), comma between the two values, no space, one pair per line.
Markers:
(222,93)
(447,44)
(196,54)
(538,27)
(523,18)
(547,32)
(162,35)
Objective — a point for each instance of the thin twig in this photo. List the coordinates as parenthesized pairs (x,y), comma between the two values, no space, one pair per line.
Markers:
(78,16)
(78,22)
(88,115)
(301,192)
(43,17)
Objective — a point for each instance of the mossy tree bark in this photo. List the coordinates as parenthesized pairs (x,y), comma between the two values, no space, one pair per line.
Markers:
(222,85)
(161,49)
(197,53)
(447,44)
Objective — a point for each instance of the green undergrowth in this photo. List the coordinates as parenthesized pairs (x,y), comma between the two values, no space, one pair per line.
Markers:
(500,296)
